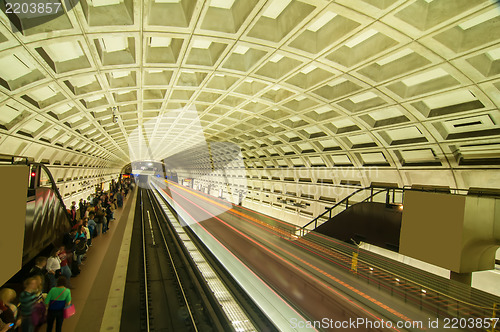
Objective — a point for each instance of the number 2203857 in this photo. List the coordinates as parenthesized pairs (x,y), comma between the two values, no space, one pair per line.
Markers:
(33,8)
(471,323)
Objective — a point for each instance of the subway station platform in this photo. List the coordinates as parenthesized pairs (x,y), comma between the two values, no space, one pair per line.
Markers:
(98,289)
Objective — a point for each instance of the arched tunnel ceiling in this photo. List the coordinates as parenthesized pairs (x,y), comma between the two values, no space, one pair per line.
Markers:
(292,82)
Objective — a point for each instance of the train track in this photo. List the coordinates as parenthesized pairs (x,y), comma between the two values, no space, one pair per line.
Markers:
(172,298)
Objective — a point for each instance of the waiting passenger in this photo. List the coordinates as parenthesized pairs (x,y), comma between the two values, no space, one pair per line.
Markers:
(109,214)
(39,270)
(80,244)
(100,216)
(65,263)
(92,227)
(87,209)
(53,267)
(27,300)
(8,309)
(58,298)
(72,213)
(68,241)
(85,224)
(38,312)
(81,208)
(119,199)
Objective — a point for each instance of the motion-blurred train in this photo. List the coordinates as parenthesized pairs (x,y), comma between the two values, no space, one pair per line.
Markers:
(142,169)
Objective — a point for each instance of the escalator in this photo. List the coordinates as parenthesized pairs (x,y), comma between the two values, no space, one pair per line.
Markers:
(371,222)
(46,216)
(34,214)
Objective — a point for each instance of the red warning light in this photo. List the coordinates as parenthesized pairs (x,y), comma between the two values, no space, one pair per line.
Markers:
(33,174)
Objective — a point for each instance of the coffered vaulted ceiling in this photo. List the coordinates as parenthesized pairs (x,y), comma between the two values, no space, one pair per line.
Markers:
(292,82)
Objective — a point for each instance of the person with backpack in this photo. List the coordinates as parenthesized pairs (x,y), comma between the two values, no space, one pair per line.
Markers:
(80,244)
(109,215)
(27,300)
(57,299)
(91,224)
(99,218)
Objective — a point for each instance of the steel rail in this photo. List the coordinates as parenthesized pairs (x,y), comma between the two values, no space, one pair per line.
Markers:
(173,265)
(146,295)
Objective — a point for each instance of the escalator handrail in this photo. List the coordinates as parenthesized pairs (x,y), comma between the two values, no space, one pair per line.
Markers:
(55,189)
(334,206)
(403,189)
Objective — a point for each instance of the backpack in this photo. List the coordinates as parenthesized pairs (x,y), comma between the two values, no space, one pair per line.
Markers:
(81,247)
(99,216)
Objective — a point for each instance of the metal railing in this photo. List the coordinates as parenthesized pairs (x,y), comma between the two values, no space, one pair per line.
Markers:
(447,300)
(392,195)
(344,204)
